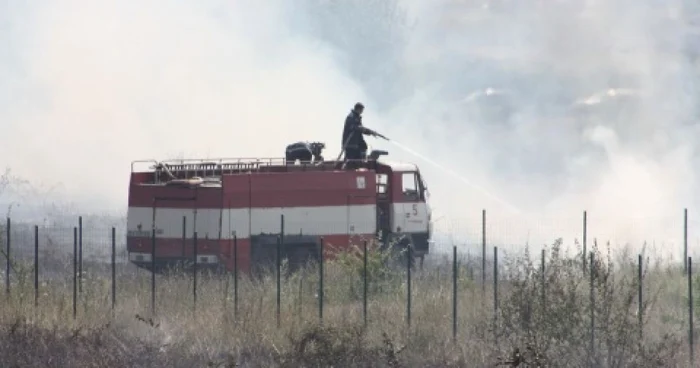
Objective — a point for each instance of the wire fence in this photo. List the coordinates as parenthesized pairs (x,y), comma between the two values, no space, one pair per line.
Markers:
(70,255)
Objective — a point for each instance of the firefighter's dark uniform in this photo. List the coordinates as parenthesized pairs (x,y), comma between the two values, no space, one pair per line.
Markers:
(353,140)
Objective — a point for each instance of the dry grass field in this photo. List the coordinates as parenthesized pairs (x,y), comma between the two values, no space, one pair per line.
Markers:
(547,319)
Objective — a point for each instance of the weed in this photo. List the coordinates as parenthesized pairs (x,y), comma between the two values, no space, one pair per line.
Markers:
(544,318)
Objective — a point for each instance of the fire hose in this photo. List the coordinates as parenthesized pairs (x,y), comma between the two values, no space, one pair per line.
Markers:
(372,132)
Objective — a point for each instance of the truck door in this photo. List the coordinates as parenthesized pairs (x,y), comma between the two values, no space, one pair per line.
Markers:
(361,222)
(383,204)
(414,217)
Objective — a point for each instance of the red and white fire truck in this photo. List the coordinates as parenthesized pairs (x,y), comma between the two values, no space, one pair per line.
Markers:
(247,204)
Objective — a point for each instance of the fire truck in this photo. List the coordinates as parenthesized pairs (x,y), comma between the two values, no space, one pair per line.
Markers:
(233,213)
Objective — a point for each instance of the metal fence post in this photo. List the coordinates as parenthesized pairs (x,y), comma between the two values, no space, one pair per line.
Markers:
(7,255)
(194,273)
(409,258)
(235,276)
(36,265)
(454,293)
(691,329)
(279,279)
(585,235)
(685,239)
(320,283)
(114,269)
(495,286)
(80,254)
(364,289)
(592,286)
(75,272)
(282,230)
(280,240)
(640,298)
(483,251)
(153,270)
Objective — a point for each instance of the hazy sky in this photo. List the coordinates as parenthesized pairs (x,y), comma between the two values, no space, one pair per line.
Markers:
(88,86)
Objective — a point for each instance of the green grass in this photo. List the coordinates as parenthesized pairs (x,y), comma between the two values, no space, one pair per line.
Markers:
(553,327)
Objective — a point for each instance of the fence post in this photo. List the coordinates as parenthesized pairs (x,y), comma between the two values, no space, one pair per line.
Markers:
(639,299)
(7,255)
(685,239)
(364,290)
(80,254)
(592,286)
(495,288)
(409,259)
(36,265)
(75,272)
(114,269)
(153,270)
(320,282)
(483,251)
(280,240)
(282,230)
(279,279)
(585,235)
(194,273)
(454,293)
(691,329)
(235,276)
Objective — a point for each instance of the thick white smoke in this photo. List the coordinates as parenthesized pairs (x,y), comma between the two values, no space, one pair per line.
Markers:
(488,88)
(99,84)
(551,150)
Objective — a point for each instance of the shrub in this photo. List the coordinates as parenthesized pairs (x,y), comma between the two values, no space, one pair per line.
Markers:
(568,316)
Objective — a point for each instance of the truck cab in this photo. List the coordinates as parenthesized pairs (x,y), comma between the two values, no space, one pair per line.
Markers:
(403,212)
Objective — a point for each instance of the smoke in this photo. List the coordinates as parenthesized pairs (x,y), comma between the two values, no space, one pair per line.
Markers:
(99,84)
(558,108)
(555,107)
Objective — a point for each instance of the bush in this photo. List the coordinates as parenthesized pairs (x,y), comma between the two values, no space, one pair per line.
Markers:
(381,277)
(568,316)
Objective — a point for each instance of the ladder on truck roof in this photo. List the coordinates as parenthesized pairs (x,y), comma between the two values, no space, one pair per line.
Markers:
(253,161)
(221,165)
(187,168)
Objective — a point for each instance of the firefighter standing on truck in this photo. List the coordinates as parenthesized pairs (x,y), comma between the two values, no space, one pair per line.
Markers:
(354,144)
